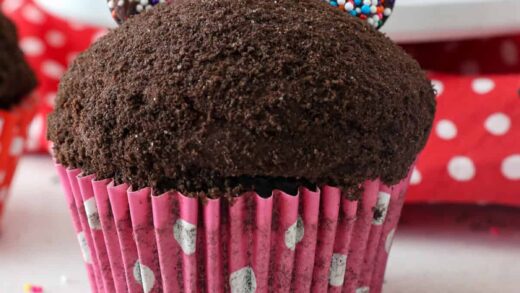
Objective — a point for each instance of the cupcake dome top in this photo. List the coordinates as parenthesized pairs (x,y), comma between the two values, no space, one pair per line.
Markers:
(202,97)
(16,78)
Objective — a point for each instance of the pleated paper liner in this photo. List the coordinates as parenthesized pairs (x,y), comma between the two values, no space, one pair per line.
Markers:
(13,131)
(316,241)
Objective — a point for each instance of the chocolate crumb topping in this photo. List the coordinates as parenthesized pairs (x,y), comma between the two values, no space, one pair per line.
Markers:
(243,94)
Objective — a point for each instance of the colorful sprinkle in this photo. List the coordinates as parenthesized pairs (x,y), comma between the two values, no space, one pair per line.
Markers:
(375,12)
(364,9)
(30,288)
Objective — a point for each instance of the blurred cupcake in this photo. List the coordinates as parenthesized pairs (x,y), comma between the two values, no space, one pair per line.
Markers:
(236,146)
(16,82)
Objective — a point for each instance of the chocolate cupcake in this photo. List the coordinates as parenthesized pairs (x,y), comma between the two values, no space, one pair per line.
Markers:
(243,146)
(16,78)
(16,82)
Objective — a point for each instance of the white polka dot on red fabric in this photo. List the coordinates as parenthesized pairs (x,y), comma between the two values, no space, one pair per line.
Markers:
(50,98)
(76,26)
(10,6)
(33,14)
(469,67)
(98,35)
(450,47)
(35,130)
(2,176)
(16,147)
(416,177)
(71,57)
(55,38)
(461,168)
(3,194)
(438,86)
(509,52)
(446,129)
(498,124)
(482,86)
(52,69)
(32,46)
(511,167)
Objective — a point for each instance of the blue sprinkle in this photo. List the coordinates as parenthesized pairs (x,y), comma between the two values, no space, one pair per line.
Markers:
(365,9)
(357,2)
(155,2)
(353,12)
(333,3)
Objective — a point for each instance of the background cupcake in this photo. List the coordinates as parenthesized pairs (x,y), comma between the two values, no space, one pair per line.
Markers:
(277,146)
(16,82)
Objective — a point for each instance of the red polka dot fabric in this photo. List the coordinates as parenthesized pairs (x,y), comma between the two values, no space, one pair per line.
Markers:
(49,44)
(473,155)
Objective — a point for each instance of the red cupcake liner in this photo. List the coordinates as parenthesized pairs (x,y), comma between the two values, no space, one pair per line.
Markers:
(316,241)
(13,132)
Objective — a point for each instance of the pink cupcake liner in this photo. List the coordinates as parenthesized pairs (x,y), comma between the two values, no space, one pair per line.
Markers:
(316,241)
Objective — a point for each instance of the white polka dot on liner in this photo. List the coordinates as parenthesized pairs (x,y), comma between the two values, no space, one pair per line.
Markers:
(497,124)
(55,38)
(446,129)
(144,276)
(482,86)
(32,46)
(509,52)
(52,69)
(511,167)
(416,177)
(438,86)
(461,168)
(243,281)
(33,14)
(338,267)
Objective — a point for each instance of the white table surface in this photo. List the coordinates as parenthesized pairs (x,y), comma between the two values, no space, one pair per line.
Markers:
(438,249)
